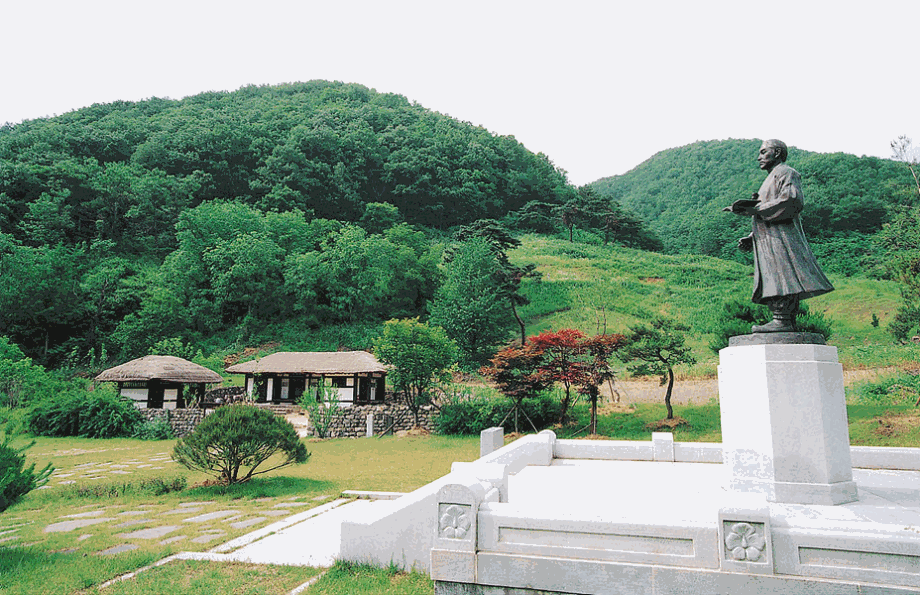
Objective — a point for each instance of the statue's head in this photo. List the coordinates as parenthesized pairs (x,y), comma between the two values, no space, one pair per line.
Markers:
(772,152)
(780,146)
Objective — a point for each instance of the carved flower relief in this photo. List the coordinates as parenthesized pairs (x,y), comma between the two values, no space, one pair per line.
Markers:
(743,542)
(454,521)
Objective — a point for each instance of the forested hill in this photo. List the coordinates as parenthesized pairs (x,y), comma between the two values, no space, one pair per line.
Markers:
(680,193)
(124,171)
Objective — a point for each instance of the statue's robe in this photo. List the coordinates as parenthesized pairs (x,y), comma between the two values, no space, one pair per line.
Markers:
(784,265)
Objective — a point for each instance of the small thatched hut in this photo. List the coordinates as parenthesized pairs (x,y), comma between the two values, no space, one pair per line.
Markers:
(285,376)
(161,381)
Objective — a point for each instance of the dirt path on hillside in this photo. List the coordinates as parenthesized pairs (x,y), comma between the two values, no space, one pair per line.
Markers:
(700,391)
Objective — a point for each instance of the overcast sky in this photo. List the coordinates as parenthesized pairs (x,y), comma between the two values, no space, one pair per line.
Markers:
(599,86)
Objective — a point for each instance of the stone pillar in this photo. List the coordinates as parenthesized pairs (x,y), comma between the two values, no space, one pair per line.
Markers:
(784,419)
(369,425)
(491,440)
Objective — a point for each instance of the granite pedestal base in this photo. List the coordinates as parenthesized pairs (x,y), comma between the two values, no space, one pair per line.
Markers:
(784,421)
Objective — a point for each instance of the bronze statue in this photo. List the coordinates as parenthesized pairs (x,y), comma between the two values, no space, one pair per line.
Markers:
(785,270)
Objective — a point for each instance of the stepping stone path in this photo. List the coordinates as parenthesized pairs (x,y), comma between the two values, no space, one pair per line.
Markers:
(66,526)
(81,515)
(154,533)
(211,516)
(248,522)
(140,523)
(133,522)
(209,536)
(93,471)
(118,549)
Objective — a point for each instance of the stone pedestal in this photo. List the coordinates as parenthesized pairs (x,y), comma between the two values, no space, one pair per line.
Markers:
(784,420)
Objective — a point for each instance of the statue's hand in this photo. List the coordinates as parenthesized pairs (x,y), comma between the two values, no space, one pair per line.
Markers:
(744,206)
(746,244)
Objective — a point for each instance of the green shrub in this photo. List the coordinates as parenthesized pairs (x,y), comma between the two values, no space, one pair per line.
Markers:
(14,420)
(98,414)
(472,415)
(237,437)
(17,480)
(157,429)
(894,389)
(738,316)
(323,414)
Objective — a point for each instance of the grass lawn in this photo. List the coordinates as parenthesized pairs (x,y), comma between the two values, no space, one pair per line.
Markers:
(110,478)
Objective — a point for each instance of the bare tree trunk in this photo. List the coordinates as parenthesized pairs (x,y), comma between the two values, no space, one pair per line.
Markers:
(594,415)
(520,322)
(667,397)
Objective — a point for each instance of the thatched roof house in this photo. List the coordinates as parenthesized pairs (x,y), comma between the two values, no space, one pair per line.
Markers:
(286,375)
(160,381)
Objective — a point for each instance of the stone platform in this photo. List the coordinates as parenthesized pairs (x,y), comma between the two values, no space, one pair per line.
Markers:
(783,506)
(589,525)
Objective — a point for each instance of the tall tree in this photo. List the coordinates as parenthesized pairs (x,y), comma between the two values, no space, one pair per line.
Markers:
(901,238)
(563,355)
(510,276)
(420,356)
(469,305)
(517,374)
(903,150)
(654,350)
(599,350)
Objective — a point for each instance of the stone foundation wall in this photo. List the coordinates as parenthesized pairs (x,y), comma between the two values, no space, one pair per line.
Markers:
(389,416)
(228,394)
(182,421)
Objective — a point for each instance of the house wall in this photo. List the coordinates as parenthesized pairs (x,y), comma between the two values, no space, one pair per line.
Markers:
(279,388)
(138,395)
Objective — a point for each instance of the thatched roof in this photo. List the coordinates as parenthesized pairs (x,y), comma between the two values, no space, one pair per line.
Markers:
(311,362)
(160,367)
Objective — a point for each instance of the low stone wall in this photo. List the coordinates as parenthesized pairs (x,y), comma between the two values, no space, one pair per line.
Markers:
(223,395)
(390,416)
(182,421)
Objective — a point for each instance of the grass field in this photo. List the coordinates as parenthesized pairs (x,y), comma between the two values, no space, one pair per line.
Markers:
(607,288)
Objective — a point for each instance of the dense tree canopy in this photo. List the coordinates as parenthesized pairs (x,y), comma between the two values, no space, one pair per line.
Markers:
(126,223)
(125,171)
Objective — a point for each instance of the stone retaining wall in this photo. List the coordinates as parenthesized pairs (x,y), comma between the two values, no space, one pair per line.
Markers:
(182,421)
(353,422)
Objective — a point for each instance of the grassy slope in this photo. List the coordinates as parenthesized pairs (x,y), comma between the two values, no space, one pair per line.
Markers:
(596,288)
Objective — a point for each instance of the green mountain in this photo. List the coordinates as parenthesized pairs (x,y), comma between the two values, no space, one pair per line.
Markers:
(680,193)
(123,171)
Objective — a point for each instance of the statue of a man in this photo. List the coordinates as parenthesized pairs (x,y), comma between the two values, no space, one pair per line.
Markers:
(785,270)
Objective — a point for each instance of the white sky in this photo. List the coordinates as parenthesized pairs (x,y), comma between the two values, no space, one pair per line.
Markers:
(599,86)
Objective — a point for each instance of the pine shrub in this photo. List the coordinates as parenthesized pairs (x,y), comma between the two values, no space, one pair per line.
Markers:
(235,440)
